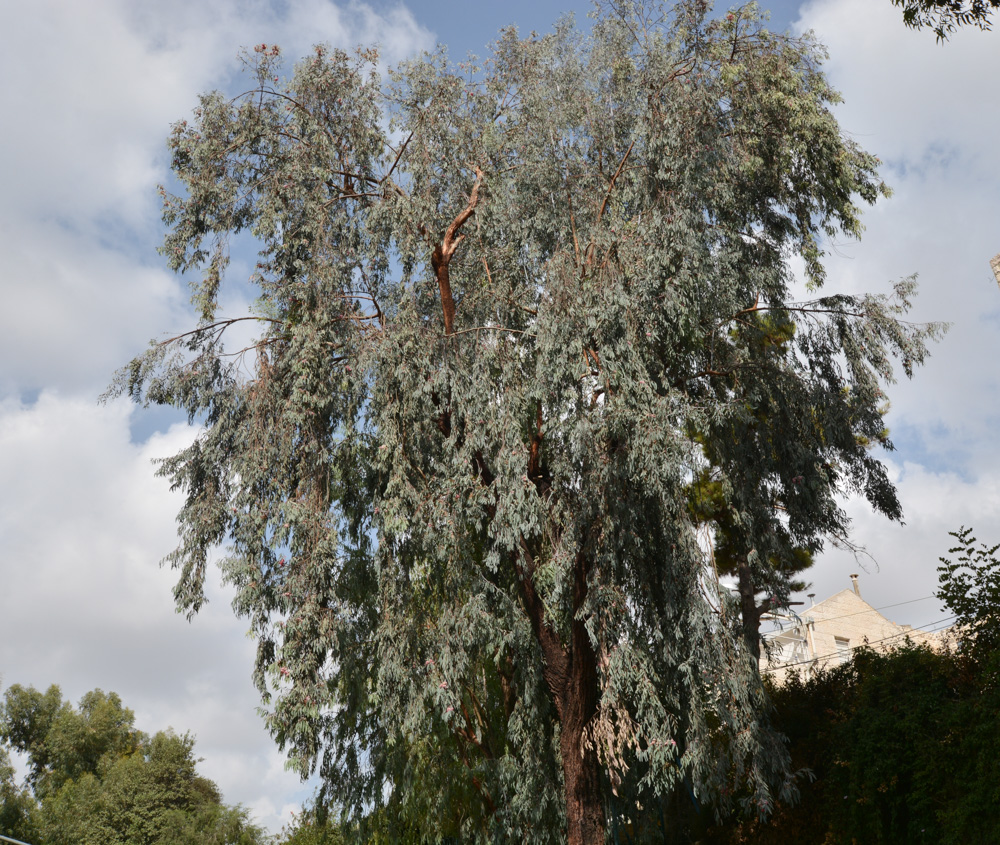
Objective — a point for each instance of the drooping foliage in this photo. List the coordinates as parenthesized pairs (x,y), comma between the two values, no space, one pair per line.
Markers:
(507,313)
(899,745)
(946,16)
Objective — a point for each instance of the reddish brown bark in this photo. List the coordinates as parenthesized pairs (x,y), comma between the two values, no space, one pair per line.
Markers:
(570,672)
(584,804)
(441,257)
(571,675)
(581,768)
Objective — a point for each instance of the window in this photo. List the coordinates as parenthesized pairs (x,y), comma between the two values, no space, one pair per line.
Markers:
(843,649)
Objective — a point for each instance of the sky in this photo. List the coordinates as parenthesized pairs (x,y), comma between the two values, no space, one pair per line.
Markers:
(91,92)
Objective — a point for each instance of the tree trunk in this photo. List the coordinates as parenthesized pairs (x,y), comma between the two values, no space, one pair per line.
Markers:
(751,613)
(571,675)
(581,767)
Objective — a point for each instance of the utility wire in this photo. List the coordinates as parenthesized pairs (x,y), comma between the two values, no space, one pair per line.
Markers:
(833,654)
(859,612)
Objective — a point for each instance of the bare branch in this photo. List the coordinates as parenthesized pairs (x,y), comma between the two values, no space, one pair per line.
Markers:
(220,324)
(611,185)
(399,155)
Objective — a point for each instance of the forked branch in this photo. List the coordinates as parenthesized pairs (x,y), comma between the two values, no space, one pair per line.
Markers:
(443,252)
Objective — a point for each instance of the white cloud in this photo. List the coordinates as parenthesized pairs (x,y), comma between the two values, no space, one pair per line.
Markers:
(929,112)
(85,148)
(908,555)
(906,96)
(106,78)
(83,522)
(76,310)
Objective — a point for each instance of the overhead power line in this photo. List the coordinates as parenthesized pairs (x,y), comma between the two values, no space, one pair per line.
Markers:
(869,644)
(883,607)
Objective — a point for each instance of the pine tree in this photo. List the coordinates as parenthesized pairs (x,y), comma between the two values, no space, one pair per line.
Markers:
(502,309)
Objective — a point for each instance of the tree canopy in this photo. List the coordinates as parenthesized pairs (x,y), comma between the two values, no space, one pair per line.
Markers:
(507,313)
(969,586)
(17,805)
(95,779)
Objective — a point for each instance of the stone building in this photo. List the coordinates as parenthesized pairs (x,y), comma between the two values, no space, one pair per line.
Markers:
(827,633)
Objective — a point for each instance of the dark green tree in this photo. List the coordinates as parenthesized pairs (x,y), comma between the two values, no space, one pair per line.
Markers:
(902,747)
(98,780)
(945,16)
(62,742)
(763,582)
(314,825)
(761,585)
(18,809)
(502,306)
(152,796)
(969,586)
(756,443)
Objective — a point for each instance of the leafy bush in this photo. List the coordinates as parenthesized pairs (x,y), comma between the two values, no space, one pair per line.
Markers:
(903,747)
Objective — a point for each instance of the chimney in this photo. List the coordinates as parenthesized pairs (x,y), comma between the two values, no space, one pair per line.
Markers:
(854,583)
(812,600)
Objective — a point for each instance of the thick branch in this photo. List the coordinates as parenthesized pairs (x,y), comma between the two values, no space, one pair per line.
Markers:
(556,669)
(537,471)
(446,249)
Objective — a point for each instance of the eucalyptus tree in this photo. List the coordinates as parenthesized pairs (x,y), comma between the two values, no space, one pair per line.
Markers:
(946,16)
(502,309)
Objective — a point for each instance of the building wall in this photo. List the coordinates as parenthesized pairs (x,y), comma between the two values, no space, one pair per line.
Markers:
(827,633)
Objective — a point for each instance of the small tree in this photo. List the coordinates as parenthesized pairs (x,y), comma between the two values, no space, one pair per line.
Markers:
(502,308)
(970,588)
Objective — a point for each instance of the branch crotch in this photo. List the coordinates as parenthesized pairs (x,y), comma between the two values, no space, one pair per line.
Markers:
(441,257)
